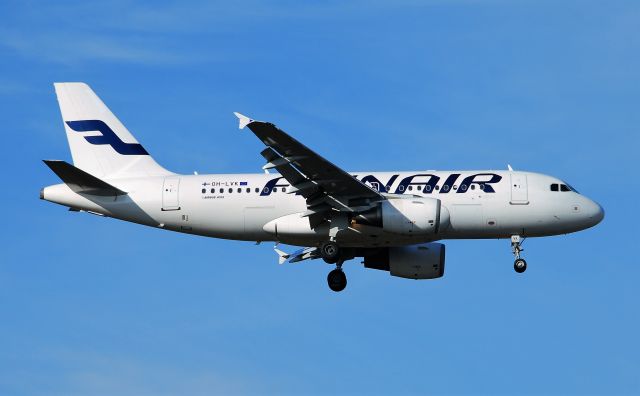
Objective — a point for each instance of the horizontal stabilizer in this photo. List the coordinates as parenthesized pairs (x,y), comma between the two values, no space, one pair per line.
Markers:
(297,256)
(282,256)
(80,181)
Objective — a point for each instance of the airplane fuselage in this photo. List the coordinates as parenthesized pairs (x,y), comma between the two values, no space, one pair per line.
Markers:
(481,204)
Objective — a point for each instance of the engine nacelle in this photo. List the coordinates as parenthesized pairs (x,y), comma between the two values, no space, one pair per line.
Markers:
(425,261)
(408,216)
(293,225)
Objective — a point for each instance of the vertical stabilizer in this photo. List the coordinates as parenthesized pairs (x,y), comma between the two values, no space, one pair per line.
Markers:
(100,144)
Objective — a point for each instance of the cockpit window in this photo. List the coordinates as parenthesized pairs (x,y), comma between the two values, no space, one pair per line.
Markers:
(572,189)
(562,187)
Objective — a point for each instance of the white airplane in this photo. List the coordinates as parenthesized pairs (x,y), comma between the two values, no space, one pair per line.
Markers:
(390,219)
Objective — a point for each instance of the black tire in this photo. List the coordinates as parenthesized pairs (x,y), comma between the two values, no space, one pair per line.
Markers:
(520,265)
(337,280)
(330,252)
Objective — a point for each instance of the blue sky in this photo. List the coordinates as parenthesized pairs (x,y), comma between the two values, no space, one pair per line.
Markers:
(94,306)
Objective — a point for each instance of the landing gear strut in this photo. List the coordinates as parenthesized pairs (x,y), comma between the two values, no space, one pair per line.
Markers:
(520,265)
(336,279)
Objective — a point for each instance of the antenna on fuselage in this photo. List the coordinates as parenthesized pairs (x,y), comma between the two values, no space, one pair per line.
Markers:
(509,167)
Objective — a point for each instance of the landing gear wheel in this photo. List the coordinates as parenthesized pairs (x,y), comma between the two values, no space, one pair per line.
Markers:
(337,280)
(520,265)
(330,252)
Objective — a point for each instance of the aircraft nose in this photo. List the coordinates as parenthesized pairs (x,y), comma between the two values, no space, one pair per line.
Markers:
(594,212)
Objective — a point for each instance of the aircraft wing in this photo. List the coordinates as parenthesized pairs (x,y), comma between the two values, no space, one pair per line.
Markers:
(325,186)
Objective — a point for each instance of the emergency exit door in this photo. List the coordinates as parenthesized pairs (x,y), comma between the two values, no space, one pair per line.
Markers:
(170,200)
(519,194)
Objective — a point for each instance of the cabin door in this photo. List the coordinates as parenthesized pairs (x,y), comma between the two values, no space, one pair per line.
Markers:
(519,194)
(170,200)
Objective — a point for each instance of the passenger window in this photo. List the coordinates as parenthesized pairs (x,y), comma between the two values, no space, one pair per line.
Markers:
(410,188)
(401,188)
(213,190)
(463,187)
(275,189)
(204,190)
(554,187)
(257,190)
(437,188)
(482,187)
(563,187)
(230,190)
(473,186)
(428,188)
(284,189)
(239,190)
(248,190)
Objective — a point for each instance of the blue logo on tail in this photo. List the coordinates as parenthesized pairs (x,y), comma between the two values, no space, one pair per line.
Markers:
(108,137)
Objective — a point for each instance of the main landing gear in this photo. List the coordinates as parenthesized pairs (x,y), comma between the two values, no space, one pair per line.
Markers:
(520,265)
(330,253)
(336,279)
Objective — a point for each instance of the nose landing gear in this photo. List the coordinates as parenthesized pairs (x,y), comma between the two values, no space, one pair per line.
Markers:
(520,265)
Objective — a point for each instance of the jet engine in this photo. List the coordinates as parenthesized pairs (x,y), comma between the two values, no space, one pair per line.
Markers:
(425,261)
(407,216)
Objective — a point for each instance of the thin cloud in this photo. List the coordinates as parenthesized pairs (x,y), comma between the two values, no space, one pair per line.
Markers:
(86,372)
(207,16)
(125,32)
(16,88)
(68,49)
